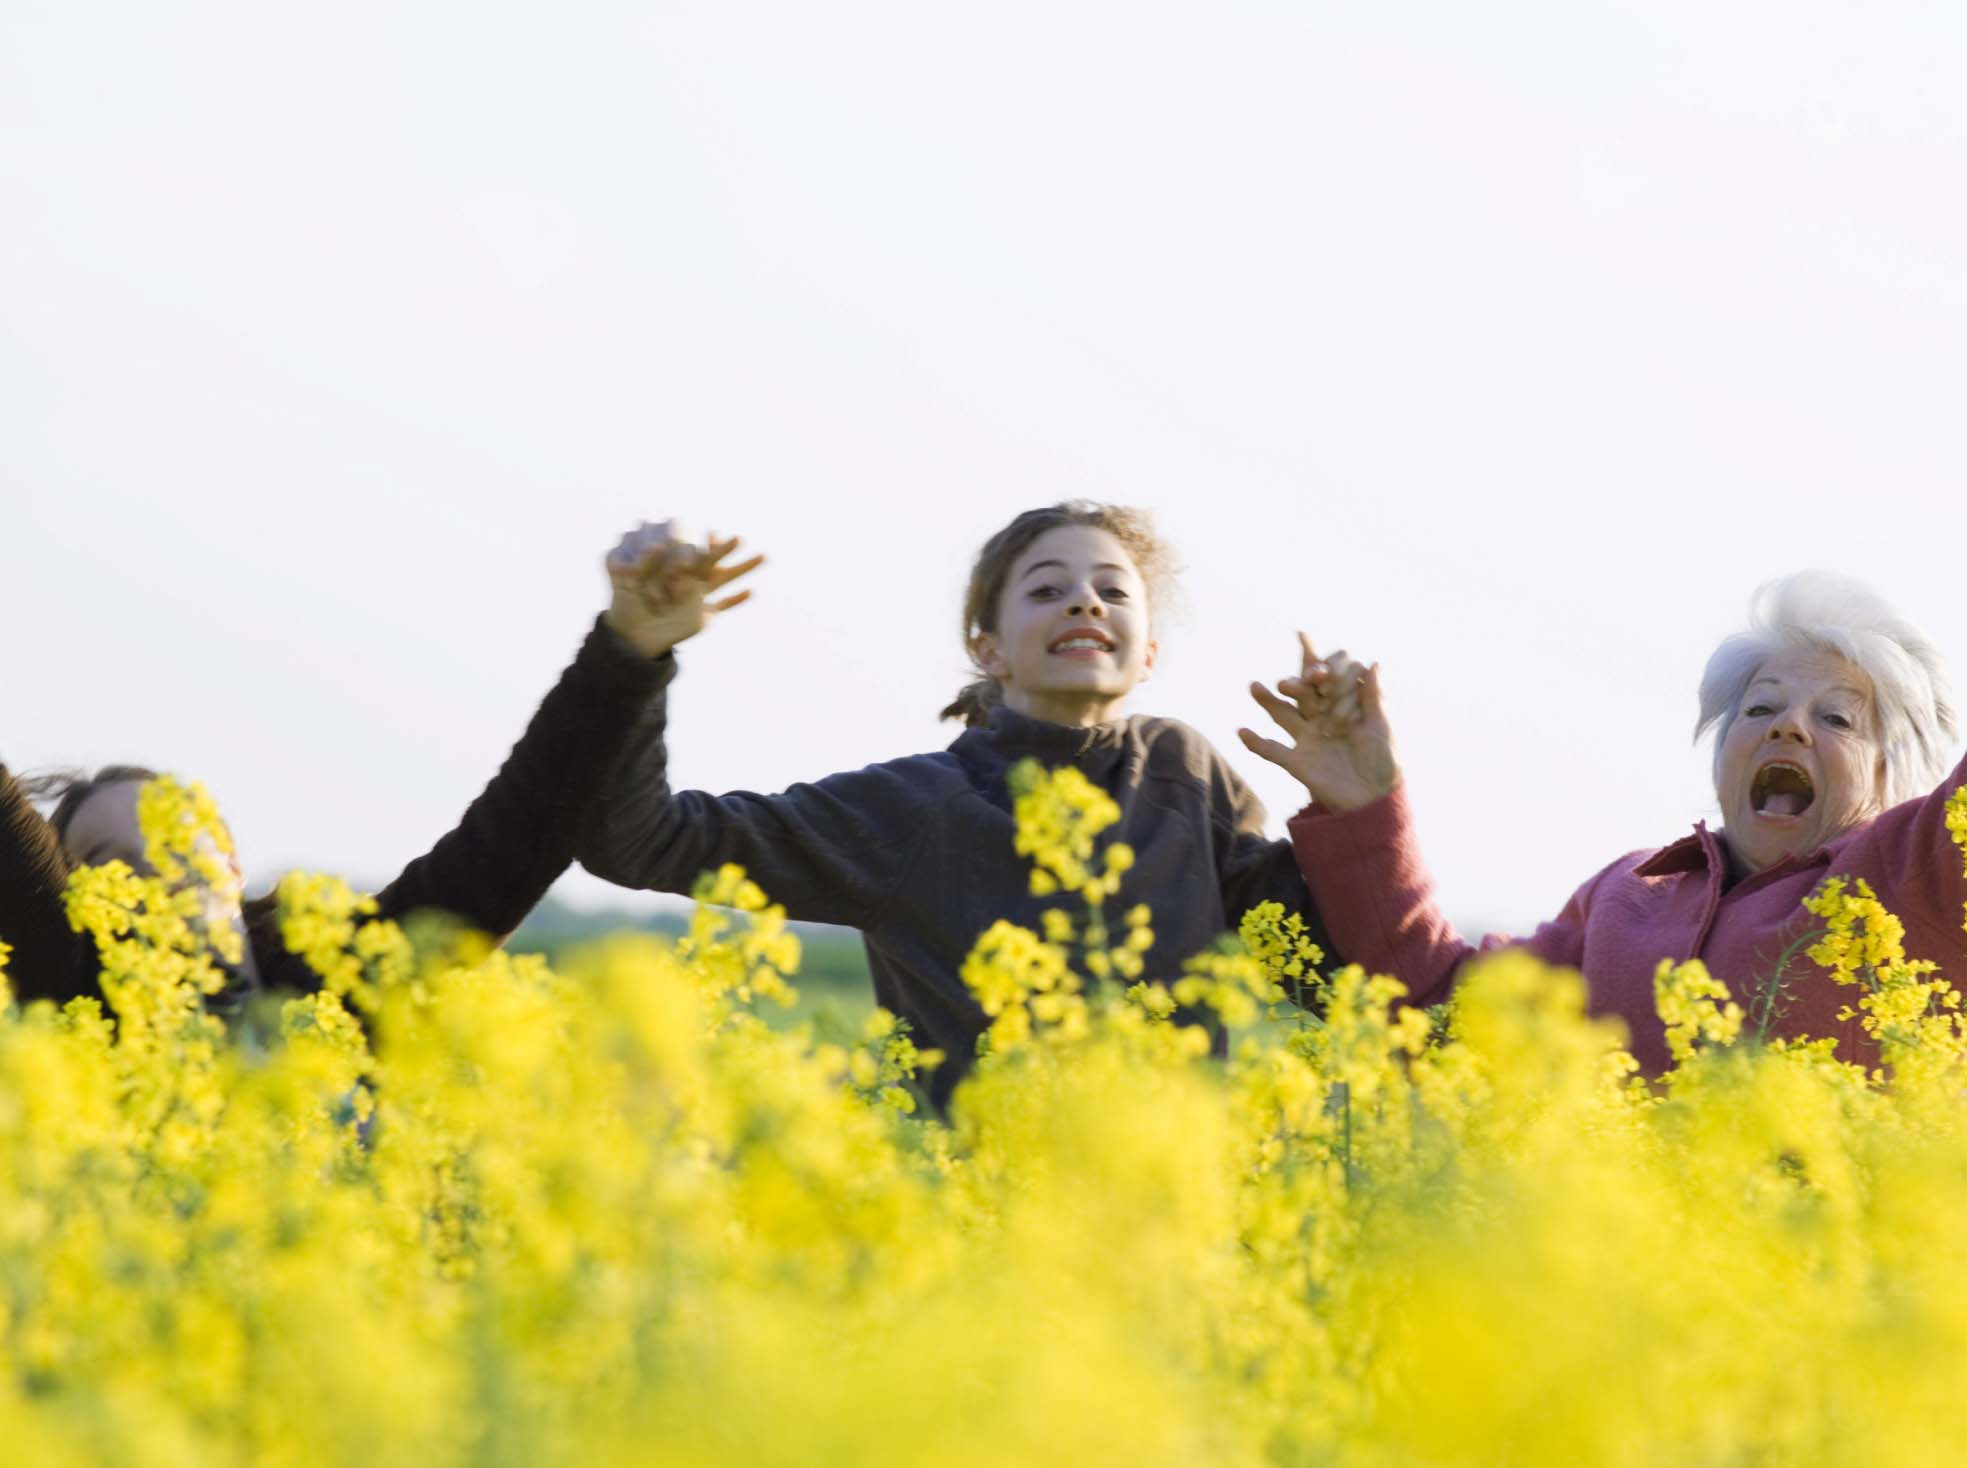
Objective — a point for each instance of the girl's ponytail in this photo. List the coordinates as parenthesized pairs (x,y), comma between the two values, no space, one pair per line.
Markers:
(974,703)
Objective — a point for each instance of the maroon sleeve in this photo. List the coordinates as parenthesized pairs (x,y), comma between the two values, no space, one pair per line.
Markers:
(1366,875)
(1920,874)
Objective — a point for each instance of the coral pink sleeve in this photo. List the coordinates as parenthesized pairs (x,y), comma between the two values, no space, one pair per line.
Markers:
(1372,888)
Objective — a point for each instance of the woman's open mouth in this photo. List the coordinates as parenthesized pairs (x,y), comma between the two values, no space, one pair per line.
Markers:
(1781,790)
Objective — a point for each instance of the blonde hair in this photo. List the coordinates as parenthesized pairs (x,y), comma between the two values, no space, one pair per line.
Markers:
(1134,529)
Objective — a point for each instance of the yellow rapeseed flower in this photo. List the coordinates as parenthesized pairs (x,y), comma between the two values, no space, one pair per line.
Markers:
(462,1206)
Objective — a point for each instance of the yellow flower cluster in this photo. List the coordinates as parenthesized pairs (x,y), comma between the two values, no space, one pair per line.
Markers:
(184,836)
(324,921)
(885,1063)
(765,953)
(1059,814)
(1026,981)
(1695,1007)
(1903,1003)
(458,1207)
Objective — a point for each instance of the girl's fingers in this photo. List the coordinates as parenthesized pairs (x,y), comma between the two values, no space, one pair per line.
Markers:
(1325,696)
(1309,698)
(663,560)
(1322,670)
(1369,693)
(723,575)
(735,599)
(1308,654)
(1286,714)
(1321,685)
(1268,749)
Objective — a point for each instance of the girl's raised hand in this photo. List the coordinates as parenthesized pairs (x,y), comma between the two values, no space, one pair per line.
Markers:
(1341,747)
(665,584)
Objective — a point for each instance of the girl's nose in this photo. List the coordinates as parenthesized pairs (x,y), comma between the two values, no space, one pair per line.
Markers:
(1085,604)
(1789,726)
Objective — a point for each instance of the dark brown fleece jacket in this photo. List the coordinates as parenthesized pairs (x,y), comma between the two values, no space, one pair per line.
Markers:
(917,853)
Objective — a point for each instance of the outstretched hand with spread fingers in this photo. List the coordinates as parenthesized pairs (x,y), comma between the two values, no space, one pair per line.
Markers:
(665,584)
(1341,745)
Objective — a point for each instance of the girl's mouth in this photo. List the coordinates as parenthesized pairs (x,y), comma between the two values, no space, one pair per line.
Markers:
(1081,645)
(1781,790)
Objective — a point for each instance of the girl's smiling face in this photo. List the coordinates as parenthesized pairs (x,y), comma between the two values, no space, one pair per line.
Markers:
(1801,763)
(1071,639)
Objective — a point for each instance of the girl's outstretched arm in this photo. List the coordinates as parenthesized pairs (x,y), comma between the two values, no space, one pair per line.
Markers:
(833,851)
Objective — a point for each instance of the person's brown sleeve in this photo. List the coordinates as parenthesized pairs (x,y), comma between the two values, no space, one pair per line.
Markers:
(518,836)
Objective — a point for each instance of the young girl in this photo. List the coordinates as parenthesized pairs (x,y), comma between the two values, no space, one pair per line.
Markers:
(917,853)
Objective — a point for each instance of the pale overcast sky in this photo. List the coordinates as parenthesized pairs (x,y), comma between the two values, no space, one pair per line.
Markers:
(1511,345)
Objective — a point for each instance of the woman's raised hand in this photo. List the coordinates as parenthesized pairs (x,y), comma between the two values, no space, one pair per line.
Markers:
(1341,747)
(664,585)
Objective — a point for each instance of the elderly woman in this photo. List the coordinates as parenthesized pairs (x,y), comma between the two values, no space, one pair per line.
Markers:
(1831,719)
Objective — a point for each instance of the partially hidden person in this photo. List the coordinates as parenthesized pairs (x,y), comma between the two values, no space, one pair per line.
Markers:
(486,874)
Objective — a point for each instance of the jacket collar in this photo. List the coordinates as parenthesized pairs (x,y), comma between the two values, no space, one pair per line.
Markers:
(1698,852)
(1701,852)
(1016,736)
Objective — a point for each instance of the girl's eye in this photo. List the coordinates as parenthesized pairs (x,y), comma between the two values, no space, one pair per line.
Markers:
(1837,720)
(1756,710)
(1115,593)
(1044,593)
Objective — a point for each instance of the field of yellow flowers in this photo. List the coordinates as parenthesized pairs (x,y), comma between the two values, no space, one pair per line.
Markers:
(459,1208)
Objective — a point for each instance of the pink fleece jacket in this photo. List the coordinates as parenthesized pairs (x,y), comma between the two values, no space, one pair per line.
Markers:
(1366,875)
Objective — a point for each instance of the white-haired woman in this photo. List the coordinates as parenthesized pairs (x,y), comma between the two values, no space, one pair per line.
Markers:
(1832,720)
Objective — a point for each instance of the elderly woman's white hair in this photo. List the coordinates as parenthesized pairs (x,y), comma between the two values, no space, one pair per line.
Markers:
(1826,612)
